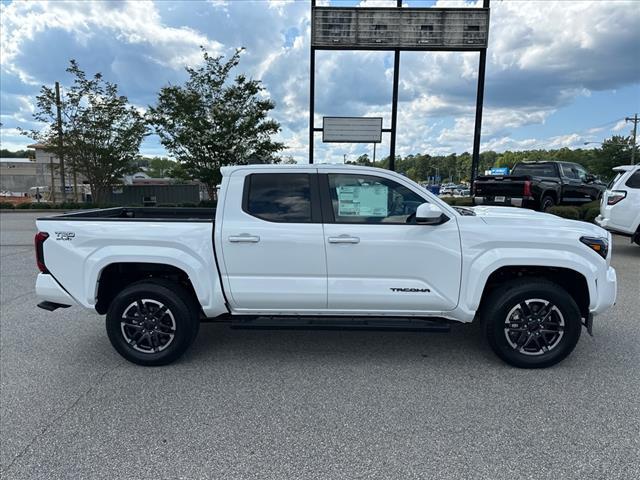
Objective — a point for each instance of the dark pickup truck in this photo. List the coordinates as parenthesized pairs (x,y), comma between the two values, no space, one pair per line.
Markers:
(538,185)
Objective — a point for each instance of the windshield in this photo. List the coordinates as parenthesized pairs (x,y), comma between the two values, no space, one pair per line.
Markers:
(535,169)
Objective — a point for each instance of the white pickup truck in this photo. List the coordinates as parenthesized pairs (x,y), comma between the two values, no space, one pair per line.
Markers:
(328,246)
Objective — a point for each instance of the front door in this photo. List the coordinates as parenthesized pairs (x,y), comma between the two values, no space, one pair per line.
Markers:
(273,256)
(378,259)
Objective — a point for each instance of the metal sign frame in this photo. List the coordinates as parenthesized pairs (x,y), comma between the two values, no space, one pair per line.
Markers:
(324,129)
(482,49)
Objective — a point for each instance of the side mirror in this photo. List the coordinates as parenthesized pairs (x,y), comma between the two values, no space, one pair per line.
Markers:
(590,178)
(429,214)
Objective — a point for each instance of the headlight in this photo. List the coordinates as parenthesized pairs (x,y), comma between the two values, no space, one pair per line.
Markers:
(598,245)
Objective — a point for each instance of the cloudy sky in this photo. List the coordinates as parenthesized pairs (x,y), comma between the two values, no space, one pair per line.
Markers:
(558,74)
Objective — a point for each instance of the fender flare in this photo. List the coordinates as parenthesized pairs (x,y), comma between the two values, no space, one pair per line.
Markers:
(479,271)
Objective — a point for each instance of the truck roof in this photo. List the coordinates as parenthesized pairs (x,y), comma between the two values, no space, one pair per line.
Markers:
(232,168)
(624,168)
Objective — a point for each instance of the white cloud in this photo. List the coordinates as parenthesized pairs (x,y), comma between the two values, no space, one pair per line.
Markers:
(542,57)
(133,22)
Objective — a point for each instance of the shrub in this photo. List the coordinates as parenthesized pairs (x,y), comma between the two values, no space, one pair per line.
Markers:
(572,213)
(464,202)
(24,206)
(189,205)
(207,203)
(586,206)
(69,206)
(590,214)
(43,206)
(6,205)
(458,201)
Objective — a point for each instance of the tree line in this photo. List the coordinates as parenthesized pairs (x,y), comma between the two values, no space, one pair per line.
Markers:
(614,151)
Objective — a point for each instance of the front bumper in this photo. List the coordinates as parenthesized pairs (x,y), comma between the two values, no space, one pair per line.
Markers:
(607,288)
(48,290)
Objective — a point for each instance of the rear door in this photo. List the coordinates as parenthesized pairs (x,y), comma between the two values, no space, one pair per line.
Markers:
(378,260)
(273,256)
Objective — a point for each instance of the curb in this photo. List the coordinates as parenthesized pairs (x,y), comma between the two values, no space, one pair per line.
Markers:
(27,210)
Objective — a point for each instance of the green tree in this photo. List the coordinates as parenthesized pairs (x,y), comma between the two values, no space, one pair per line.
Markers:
(101,131)
(212,120)
(160,167)
(614,151)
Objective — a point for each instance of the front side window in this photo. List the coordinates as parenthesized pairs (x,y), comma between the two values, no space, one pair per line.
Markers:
(582,173)
(569,172)
(370,199)
(279,197)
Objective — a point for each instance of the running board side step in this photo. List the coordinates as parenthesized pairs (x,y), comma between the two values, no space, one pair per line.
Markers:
(51,306)
(341,323)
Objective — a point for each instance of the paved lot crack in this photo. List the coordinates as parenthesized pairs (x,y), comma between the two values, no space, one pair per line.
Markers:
(51,424)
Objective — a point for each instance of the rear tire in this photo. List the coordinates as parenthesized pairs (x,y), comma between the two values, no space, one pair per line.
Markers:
(152,323)
(546,203)
(531,323)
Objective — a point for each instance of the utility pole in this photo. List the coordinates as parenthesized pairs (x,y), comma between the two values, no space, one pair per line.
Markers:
(60,145)
(633,119)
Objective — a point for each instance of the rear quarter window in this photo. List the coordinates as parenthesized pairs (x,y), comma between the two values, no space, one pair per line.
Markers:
(536,170)
(634,180)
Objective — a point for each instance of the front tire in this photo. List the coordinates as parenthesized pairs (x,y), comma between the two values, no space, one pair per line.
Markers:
(152,323)
(531,323)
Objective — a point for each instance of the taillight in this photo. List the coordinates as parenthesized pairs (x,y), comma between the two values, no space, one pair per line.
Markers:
(39,241)
(615,196)
(527,188)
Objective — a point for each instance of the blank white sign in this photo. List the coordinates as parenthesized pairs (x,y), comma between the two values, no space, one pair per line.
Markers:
(352,129)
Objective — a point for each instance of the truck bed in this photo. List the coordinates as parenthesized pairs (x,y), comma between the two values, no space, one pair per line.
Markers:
(150,214)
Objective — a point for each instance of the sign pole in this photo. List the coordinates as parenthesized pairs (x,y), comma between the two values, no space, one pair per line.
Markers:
(394,104)
(312,88)
(475,158)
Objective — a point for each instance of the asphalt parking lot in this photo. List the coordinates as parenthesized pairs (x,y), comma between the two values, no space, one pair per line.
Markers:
(309,404)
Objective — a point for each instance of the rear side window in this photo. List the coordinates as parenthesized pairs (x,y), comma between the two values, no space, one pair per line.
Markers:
(615,179)
(535,169)
(634,180)
(278,197)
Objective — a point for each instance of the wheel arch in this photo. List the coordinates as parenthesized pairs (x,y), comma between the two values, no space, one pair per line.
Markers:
(559,266)
(574,282)
(117,276)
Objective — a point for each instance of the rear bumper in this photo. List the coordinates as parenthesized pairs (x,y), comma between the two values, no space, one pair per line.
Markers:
(526,202)
(607,287)
(605,223)
(48,290)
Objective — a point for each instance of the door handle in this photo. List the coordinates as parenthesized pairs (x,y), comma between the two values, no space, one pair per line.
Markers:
(344,239)
(244,238)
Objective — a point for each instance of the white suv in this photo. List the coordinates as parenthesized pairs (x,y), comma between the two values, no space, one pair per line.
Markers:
(620,205)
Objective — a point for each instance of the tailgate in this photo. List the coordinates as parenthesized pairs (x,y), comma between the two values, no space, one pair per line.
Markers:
(507,186)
